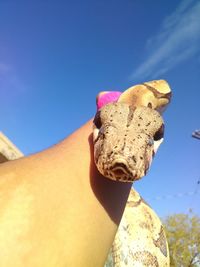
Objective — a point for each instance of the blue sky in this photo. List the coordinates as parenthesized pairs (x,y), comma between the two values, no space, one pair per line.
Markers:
(55,56)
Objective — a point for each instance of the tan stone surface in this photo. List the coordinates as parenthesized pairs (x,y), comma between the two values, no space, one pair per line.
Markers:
(8,151)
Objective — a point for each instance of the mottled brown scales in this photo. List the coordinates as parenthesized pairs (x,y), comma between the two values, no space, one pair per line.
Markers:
(127,135)
(145,258)
(140,239)
(134,203)
(115,140)
(160,242)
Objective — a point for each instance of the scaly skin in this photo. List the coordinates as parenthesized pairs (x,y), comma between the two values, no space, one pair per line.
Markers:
(128,129)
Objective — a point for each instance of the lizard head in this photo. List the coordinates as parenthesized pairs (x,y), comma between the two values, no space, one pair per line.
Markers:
(125,140)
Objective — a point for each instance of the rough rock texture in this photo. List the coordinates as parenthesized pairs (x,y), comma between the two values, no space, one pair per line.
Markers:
(8,151)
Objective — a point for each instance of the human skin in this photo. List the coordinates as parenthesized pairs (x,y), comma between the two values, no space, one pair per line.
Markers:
(56,209)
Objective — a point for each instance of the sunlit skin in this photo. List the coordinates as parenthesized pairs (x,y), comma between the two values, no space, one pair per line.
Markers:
(56,209)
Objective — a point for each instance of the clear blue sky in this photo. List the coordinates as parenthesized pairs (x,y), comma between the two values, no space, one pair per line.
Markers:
(55,56)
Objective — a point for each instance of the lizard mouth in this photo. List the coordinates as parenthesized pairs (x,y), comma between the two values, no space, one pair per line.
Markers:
(121,171)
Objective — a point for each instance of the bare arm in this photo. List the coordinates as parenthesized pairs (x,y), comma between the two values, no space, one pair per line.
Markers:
(55,208)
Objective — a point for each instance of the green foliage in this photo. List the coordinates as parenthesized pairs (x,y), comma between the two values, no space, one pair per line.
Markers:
(183,234)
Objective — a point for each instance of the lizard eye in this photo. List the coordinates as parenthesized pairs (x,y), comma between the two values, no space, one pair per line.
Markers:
(159,134)
(97,120)
(151,141)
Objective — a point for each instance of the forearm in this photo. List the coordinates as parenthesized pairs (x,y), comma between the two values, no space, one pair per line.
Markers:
(56,209)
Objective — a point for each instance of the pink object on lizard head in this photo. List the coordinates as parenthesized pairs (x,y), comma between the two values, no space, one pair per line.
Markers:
(104,98)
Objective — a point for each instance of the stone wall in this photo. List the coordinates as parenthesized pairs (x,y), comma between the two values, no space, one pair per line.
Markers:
(8,151)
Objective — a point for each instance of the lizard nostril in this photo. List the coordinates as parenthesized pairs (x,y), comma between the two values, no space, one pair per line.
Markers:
(119,169)
(118,172)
